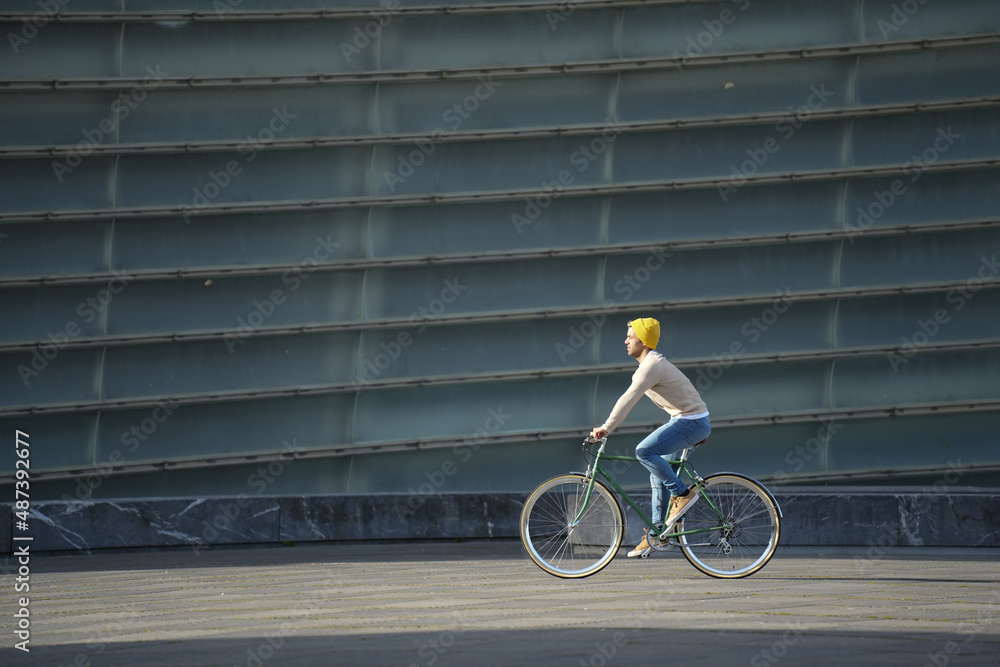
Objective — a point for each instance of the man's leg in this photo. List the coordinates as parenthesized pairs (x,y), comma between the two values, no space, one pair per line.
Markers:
(646,451)
(659,509)
(653,451)
(665,441)
(658,512)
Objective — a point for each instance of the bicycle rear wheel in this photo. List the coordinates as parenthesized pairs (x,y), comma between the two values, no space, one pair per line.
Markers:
(560,547)
(741,537)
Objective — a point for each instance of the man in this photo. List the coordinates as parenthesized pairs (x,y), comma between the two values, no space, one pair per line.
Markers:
(671,390)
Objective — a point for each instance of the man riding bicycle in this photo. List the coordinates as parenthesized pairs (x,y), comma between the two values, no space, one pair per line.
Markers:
(671,390)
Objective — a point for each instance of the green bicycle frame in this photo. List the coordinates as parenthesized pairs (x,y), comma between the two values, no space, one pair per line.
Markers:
(595,468)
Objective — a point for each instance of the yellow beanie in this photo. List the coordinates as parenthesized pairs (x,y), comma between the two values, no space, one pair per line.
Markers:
(648,331)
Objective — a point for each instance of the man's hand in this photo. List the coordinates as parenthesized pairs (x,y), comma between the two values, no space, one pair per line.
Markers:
(598,433)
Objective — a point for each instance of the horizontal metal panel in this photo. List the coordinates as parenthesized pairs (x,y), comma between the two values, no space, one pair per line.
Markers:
(57,441)
(32,6)
(793,91)
(406,231)
(920,258)
(494,103)
(418,352)
(928,75)
(241,305)
(64,314)
(419,293)
(82,182)
(950,442)
(729,153)
(197,181)
(725,213)
(771,451)
(515,466)
(472,412)
(731,272)
(801,86)
(741,25)
(80,119)
(301,239)
(54,248)
(235,365)
(779,452)
(80,311)
(240,48)
(918,196)
(50,374)
(185,431)
(518,5)
(477,166)
(154,114)
(84,51)
(496,40)
(226,8)
(283,477)
(332,177)
(888,20)
(924,139)
(967,313)
(255,116)
(917,377)
(293,238)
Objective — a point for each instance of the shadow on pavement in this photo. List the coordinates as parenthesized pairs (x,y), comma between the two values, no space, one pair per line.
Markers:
(551,647)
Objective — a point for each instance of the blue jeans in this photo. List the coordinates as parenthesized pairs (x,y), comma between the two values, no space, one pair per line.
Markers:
(663,443)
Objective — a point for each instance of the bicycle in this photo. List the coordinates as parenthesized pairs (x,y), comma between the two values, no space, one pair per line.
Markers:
(572,525)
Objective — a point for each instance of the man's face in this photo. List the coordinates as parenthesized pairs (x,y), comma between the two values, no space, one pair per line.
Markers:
(633,345)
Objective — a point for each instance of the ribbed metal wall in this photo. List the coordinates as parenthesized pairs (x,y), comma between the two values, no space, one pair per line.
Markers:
(403,242)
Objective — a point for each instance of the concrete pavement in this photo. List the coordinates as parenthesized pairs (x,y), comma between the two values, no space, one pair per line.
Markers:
(484,603)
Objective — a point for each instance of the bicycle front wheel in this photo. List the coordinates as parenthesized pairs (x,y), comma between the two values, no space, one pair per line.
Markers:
(737,536)
(565,541)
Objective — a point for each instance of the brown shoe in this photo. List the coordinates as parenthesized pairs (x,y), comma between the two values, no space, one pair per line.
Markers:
(649,542)
(642,549)
(678,506)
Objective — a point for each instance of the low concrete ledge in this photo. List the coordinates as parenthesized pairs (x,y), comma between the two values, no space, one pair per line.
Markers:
(893,517)
(206,522)
(827,517)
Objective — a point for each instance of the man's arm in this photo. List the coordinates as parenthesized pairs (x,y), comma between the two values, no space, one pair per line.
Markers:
(641,381)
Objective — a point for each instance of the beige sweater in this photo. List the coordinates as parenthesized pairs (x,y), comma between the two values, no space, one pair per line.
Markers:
(665,385)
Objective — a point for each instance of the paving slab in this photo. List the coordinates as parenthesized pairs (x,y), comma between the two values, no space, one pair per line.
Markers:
(419,604)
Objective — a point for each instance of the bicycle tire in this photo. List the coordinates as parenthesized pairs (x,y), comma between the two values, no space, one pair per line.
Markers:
(571,551)
(743,539)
